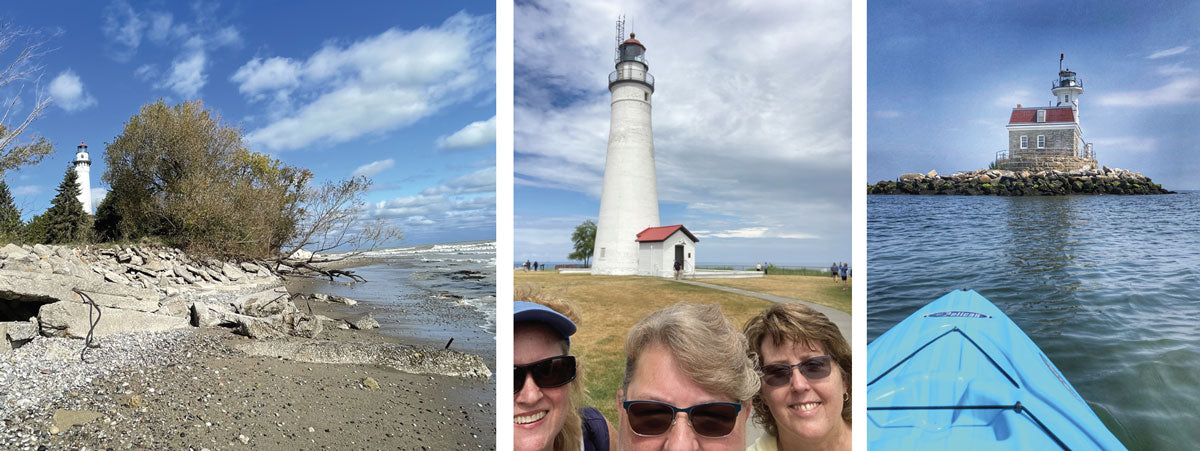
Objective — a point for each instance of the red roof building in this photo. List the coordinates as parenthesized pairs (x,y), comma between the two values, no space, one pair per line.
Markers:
(662,233)
(1052,114)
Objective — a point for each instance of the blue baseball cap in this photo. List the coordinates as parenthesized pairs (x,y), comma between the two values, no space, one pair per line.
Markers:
(530,311)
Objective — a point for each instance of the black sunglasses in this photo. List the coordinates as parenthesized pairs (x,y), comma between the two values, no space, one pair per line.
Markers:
(713,419)
(812,368)
(547,373)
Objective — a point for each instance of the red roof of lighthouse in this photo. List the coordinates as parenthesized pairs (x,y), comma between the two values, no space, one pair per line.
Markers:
(631,40)
(661,233)
(1053,114)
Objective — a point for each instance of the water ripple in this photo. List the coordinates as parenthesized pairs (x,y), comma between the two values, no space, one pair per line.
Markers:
(1107,286)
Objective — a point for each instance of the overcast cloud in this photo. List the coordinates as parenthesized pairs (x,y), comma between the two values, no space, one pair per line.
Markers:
(751,113)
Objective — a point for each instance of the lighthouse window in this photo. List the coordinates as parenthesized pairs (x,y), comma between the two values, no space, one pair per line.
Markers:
(647,96)
(1024,142)
(1041,141)
(1041,116)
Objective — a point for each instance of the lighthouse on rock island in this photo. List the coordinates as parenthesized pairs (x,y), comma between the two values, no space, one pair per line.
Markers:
(629,199)
(83,169)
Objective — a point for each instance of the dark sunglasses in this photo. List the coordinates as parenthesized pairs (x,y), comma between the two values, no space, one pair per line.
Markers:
(779,374)
(713,419)
(547,373)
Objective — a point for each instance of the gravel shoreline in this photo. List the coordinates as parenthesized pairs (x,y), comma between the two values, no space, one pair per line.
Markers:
(193,389)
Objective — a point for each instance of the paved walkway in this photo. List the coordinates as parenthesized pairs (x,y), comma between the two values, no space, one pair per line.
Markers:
(839,318)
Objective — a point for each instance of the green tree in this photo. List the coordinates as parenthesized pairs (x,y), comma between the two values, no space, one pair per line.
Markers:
(65,221)
(179,173)
(585,242)
(106,226)
(10,216)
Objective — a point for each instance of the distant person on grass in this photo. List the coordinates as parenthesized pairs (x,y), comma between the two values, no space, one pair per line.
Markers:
(804,402)
(833,269)
(549,381)
(678,268)
(845,271)
(688,382)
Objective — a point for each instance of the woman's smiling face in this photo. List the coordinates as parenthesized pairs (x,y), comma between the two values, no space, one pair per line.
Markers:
(538,413)
(805,411)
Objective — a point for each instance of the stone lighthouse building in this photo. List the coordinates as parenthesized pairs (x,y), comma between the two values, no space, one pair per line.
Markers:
(83,169)
(1049,138)
(629,196)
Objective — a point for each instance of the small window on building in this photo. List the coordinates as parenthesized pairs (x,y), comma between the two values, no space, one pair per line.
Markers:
(1041,141)
(601,252)
(1024,142)
(647,96)
(1041,116)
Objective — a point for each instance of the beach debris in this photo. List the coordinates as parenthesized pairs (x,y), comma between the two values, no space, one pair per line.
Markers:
(64,419)
(448,343)
(364,322)
(370,383)
(406,358)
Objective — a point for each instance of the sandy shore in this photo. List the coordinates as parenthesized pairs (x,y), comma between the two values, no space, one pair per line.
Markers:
(199,391)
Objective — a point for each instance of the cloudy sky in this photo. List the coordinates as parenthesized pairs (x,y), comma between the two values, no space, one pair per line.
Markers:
(751,123)
(405,96)
(943,77)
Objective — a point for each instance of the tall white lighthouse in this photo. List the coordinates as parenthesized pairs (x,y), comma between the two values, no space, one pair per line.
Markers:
(83,169)
(629,197)
(1068,88)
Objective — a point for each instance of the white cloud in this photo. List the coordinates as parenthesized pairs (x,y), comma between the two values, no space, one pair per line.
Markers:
(98,195)
(1180,90)
(68,93)
(123,27)
(374,167)
(737,140)
(377,84)
(1171,70)
(272,74)
(187,75)
(1168,52)
(748,232)
(1126,144)
(475,134)
(25,190)
(460,203)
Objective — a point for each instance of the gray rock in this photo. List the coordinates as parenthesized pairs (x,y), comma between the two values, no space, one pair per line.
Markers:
(250,267)
(265,303)
(116,278)
(342,300)
(70,319)
(185,274)
(232,272)
(20,330)
(364,322)
(13,252)
(42,250)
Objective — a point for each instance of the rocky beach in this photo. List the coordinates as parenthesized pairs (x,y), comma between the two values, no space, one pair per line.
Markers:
(1021,183)
(197,353)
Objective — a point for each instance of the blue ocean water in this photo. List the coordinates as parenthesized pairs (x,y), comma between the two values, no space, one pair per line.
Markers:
(1107,286)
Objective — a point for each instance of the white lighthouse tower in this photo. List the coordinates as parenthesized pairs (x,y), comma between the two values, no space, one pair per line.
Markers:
(629,199)
(1068,88)
(83,169)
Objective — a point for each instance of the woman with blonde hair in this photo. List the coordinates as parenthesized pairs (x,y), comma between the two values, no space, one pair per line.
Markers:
(804,402)
(549,381)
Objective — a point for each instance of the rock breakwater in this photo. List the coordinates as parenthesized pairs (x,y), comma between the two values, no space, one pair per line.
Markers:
(995,182)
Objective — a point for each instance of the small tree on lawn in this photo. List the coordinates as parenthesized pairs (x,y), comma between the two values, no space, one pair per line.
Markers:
(585,242)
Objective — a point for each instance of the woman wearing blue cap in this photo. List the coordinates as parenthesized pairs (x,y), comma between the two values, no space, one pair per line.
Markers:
(548,380)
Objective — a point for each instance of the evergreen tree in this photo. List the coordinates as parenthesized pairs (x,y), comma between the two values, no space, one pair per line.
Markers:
(10,216)
(66,222)
(107,223)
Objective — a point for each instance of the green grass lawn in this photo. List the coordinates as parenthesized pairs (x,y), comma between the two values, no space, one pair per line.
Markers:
(816,289)
(610,305)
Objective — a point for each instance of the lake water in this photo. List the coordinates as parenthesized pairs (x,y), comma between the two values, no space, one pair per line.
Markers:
(429,294)
(1107,286)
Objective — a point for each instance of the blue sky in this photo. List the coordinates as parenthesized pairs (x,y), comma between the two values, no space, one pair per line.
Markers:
(403,95)
(942,78)
(751,123)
